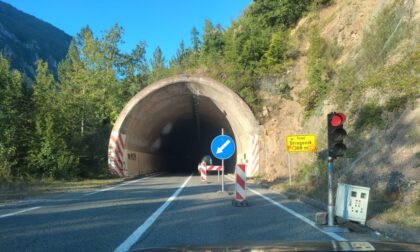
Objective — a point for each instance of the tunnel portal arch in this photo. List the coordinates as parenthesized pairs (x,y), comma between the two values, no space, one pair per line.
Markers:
(169,125)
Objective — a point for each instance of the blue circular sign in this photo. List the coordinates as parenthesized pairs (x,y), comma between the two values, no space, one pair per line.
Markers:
(223,147)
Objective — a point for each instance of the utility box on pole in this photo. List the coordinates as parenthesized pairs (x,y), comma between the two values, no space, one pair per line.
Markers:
(352,202)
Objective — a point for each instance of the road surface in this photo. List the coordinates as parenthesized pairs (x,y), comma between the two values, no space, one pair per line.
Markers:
(158,211)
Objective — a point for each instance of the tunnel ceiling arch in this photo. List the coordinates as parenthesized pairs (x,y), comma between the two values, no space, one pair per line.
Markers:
(171,122)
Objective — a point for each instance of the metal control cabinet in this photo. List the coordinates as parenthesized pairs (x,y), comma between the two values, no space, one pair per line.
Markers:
(352,202)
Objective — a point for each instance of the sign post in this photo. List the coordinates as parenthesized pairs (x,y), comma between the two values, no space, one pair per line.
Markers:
(223,163)
(299,143)
(223,147)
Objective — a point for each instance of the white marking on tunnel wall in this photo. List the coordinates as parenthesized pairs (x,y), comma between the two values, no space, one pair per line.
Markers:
(116,157)
(254,157)
(167,129)
(18,212)
(135,236)
(299,216)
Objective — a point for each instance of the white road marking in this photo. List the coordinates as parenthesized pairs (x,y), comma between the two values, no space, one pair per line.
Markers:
(299,216)
(122,184)
(135,236)
(18,212)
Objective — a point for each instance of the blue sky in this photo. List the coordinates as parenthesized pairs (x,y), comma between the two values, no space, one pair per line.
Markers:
(158,22)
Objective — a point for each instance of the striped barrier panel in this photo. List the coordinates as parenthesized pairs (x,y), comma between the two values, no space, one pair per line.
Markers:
(254,157)
(214,167)
(240,187)
(116,147)
(203,172)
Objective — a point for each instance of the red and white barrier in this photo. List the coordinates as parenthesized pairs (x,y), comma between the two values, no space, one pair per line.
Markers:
(240,187)
(116,147)
(203,172)
(214,167)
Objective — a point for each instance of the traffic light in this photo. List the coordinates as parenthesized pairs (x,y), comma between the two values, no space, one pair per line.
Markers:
(336,134)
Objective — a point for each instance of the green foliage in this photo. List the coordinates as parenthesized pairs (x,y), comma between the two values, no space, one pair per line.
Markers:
(283,13)
(278,48)
(370,116)
(12,120)
(284,89)
(321,70)
(159,70)
(396,103)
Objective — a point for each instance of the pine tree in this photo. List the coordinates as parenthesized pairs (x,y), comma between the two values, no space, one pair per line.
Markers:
(11,120)
(158,66)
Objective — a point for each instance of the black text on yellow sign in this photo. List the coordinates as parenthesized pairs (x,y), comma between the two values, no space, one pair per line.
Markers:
(301,143)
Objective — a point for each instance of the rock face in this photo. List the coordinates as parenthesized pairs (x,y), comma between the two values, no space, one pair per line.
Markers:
(25,39)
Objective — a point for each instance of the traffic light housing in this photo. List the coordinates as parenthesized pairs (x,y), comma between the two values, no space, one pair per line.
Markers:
(336,135)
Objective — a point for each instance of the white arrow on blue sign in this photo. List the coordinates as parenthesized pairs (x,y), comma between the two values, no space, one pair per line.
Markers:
(223,147)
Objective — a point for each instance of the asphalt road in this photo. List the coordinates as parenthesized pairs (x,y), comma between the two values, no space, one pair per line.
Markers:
(158,211)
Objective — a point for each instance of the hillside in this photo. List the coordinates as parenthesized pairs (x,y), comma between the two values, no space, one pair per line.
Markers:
(360,58)
(24,39)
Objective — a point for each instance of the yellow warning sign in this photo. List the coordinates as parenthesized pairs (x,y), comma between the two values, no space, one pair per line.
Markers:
(301,143)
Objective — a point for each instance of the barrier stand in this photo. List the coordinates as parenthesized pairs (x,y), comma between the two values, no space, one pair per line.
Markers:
(240,187)
(217,168)
(203,172)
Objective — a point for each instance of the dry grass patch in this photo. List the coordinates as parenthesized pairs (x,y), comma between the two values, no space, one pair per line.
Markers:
(16,190)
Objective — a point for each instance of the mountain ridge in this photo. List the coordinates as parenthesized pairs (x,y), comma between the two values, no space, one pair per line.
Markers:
(24,39)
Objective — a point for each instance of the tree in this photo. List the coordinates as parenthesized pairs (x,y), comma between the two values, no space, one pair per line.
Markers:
(180,58)
(277,51)
(12,121)
(49,155)
(195,40)
(213,43)
(135,73)
(89,93)
(274,14)
(158,65)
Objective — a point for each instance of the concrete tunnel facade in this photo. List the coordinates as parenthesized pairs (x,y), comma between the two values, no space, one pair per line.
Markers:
(169,126)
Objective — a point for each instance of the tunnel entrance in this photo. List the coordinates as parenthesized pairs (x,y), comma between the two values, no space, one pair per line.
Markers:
(169,126)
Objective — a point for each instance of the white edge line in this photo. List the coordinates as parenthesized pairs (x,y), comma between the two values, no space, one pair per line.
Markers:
(297,215)
(18,212)
(122,184)
(135,236)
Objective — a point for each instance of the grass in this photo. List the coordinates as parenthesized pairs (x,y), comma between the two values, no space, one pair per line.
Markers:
(370,116)
(407,216)
(16,190)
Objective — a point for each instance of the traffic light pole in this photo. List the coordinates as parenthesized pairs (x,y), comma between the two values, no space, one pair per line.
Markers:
(330,193)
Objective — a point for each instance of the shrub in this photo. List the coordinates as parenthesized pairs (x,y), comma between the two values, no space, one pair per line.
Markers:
(370,116)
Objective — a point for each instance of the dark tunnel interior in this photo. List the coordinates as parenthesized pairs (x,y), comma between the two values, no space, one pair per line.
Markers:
(189,141)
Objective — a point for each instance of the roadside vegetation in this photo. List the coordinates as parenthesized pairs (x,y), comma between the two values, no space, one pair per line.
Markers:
(57,127)
(17,190)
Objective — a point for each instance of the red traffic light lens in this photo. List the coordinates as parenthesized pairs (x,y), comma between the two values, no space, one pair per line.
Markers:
(336,120)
